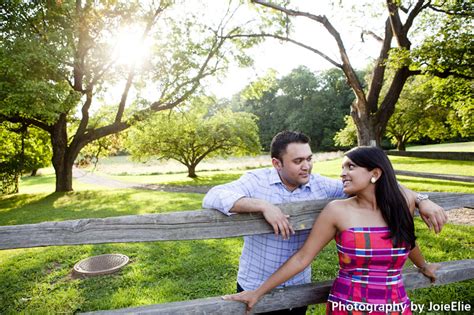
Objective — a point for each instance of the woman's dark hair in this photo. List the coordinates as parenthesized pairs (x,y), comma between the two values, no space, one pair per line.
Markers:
(388,194)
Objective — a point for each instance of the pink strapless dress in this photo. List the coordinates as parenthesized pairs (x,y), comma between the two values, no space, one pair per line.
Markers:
(369,279)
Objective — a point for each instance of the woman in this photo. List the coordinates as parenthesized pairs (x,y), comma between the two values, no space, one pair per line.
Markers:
(374,233)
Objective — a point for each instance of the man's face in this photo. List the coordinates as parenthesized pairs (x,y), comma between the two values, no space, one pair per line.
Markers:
(295,165)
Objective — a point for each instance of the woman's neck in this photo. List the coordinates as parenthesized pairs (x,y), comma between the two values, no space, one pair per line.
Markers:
(367,200)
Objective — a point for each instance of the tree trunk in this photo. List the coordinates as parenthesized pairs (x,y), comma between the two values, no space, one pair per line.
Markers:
(62,159)
(192,171)
(34,172)
(367,130)
(401,145)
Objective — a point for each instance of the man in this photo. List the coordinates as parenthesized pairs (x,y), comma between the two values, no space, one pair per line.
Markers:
(289,180)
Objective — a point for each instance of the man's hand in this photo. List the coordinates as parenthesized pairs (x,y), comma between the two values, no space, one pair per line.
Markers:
(433,215)
(278,220)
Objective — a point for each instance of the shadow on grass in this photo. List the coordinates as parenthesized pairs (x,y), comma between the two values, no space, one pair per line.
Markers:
(25,209)
(210,180)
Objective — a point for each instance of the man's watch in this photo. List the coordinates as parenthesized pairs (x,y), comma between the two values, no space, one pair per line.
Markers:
(420,198)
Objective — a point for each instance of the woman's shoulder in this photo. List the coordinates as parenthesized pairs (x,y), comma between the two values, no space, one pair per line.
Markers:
(340,203)
(338,207)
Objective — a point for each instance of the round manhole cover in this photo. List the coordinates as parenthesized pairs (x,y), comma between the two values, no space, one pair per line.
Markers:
(101,265)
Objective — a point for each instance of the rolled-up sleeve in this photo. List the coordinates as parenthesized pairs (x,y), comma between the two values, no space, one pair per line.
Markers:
(223,197)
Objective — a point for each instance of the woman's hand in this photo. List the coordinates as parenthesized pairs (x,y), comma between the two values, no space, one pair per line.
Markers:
(248,297)
(429,271)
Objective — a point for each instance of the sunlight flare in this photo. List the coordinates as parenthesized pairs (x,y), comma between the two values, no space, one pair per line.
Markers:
(129,47)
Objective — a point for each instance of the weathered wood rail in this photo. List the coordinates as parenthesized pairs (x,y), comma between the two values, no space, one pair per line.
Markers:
(458,178)
(209,224)
(184,225)
(295,296)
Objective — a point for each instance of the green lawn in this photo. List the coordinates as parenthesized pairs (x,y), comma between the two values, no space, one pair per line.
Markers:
(331,168)
(453,147)
(39,280)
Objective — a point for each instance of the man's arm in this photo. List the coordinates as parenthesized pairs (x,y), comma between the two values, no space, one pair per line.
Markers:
(236,197)
(272,214)
(433,215)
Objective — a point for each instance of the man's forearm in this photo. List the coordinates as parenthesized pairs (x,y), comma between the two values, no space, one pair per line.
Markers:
(247,205)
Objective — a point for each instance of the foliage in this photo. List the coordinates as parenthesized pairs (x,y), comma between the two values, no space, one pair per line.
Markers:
(61,59)
(22,149)
(103,147)
(432,108)
(446,45)
(302,100)
(418,29)
(38,280)
(194,134)
(347,137)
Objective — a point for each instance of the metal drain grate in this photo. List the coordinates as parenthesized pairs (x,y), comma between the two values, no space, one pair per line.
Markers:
(101,265)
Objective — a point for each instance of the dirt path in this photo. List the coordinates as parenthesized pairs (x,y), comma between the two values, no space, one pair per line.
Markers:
(91,178)
(463,216)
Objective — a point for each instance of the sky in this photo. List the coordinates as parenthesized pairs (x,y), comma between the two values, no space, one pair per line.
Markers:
(273,54)
(284,57)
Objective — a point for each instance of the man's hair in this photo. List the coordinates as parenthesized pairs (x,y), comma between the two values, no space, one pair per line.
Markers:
(282,139)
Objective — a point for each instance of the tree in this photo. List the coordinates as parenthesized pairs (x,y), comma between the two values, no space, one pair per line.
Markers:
(314,103)
(22,149)
(347,137)
(432,108)
(59,59)
(371,109)
(193,134)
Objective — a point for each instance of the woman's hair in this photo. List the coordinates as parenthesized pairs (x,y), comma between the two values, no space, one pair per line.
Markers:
(389,197)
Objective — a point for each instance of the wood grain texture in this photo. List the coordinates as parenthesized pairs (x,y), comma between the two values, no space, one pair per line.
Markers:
(295,296)
(457,178)
(184,225)
(455,156)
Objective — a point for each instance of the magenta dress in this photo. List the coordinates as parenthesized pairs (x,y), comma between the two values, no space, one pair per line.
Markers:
(369,279)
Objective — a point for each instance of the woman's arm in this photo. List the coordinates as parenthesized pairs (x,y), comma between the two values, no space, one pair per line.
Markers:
(322,232)
(432,214)
(419,261)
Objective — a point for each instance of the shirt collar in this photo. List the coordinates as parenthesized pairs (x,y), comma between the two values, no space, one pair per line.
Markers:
(275,179)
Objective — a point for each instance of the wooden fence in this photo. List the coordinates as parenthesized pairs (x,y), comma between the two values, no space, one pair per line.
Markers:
(457,178)
(457,156)
(209,224)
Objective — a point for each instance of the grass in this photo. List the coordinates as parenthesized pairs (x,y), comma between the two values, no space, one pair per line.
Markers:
(453,147)
(35,208)
(329,168)
(206,178)
(39,280)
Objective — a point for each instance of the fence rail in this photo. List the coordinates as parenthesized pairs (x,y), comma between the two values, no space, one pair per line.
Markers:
(295,296)
(458,178)
(184,225)
(457,156)
(208,224)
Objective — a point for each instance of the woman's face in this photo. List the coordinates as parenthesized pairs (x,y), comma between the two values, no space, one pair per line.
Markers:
(354,178)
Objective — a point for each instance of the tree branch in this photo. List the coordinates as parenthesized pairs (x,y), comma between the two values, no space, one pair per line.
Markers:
(378,76)
(442,74)
(346,65)
(29,121)
(287,39)
(464,12)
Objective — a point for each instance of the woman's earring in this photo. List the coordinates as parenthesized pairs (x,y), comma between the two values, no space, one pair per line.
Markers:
(373,180)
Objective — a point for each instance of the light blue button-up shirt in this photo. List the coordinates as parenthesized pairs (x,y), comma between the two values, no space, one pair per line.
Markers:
(263,254)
